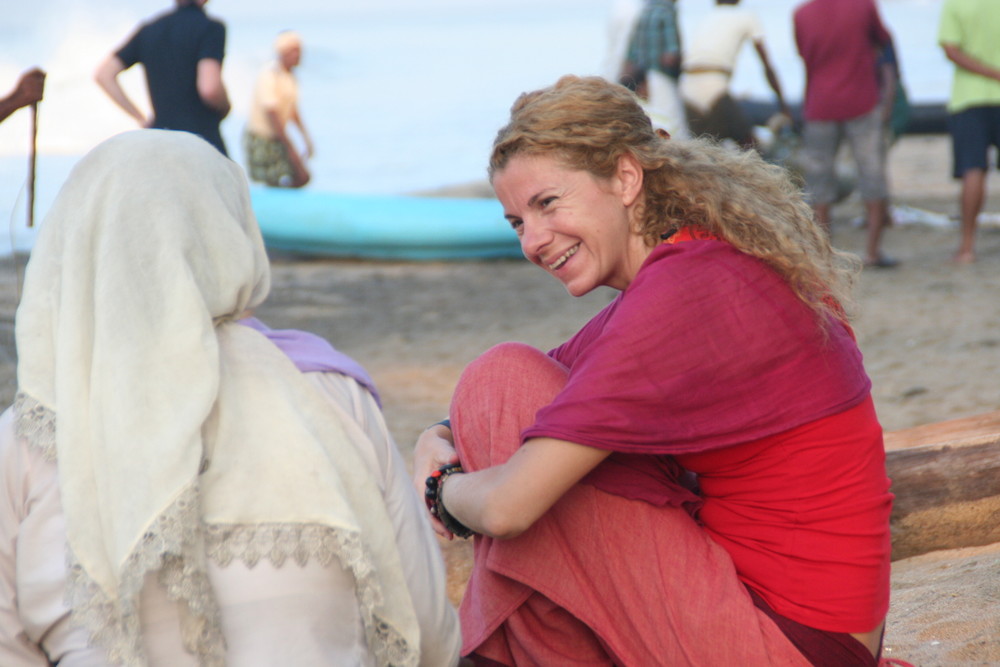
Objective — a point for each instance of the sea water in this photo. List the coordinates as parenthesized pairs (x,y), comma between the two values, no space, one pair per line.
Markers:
(399,96)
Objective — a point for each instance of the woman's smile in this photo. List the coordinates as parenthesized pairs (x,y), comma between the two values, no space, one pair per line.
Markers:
(564,258)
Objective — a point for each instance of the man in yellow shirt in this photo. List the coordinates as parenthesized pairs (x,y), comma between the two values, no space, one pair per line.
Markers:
(967,33)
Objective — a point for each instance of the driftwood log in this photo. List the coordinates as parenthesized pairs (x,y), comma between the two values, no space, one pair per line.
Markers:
(946,477)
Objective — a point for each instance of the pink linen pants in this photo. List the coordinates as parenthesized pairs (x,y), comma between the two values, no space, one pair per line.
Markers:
(600,579)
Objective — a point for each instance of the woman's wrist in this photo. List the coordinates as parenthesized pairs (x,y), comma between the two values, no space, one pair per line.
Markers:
(433,492)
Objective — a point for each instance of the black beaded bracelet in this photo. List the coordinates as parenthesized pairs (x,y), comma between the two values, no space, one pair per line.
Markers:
(432,496)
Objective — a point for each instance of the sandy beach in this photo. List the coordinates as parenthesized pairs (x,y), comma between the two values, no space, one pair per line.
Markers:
(929,331)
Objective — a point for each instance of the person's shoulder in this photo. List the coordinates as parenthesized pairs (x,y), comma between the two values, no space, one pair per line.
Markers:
(692,250)
(674,264)
(954,5)
(162,16)
(743,16)
(216,22)
(812,7)
(800,12)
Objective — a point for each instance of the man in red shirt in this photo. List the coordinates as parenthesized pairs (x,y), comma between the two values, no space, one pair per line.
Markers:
(838,41)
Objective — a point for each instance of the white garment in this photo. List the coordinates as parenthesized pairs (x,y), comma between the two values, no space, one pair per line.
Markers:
(270,616)
(621,23)
(185,440)
(715,45)
(664,107)
(276,90)
(35,628)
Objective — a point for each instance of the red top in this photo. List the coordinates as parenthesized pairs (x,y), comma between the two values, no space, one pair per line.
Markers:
(709,359)
(805,517)
(837,40)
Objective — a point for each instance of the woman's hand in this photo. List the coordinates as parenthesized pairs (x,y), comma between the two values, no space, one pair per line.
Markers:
(434,448)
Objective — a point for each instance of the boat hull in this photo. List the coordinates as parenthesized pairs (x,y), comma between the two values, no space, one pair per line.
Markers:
(331,224)
(924,118)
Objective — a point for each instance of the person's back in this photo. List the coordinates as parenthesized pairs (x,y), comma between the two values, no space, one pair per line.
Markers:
(836,41)
(709,62)
(716,41)
(973,25)
(182,53)
(170,48)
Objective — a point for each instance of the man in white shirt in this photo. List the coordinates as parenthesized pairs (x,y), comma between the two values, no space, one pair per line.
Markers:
(709,61)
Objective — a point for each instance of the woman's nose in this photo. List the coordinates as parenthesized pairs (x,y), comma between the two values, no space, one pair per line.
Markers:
(535,235)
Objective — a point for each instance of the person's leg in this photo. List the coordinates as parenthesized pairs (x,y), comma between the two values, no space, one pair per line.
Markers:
(496,397)
(820,141)
(877,217)
(970,137)
(822,214)
(599,579)
(865,135)
(541,633)
(972,198)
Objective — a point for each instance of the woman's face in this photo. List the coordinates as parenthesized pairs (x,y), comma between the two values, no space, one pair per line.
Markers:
(572,224)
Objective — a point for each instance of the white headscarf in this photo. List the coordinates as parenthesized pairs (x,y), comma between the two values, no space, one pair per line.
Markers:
(179,434)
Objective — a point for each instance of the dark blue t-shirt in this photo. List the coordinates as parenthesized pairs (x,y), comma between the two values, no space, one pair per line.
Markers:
(170,47)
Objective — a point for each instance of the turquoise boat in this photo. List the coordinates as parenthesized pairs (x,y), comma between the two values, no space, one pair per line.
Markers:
(394,227)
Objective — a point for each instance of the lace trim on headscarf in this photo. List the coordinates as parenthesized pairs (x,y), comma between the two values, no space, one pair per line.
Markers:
(278,543)
(175,545)
(36,423)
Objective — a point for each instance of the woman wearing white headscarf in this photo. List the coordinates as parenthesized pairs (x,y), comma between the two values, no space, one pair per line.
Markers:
(215,504)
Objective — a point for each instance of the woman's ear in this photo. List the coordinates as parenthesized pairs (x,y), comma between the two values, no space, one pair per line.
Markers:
(629,175)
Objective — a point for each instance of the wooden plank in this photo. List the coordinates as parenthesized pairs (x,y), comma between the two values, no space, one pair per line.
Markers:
(959,432)
(946,477)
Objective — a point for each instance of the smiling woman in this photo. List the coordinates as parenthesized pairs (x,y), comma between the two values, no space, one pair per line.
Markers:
(698,474)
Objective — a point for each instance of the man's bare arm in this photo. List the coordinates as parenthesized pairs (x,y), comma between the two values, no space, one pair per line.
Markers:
(29,89)
(211,90)
(106,77)
(965,61)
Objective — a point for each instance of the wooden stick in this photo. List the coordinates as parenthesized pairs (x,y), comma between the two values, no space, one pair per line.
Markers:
(31,164)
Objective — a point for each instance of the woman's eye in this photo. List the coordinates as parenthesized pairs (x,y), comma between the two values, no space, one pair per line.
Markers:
(516,224)
(545,202)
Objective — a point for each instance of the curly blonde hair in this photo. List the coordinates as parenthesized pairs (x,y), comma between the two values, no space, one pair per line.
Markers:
(588,123)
